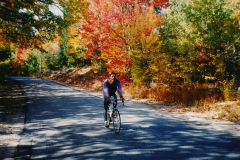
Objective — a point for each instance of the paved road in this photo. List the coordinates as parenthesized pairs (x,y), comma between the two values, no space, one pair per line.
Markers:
(65,123)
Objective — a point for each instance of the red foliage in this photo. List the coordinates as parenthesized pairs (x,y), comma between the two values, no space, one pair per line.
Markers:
(125,79)
(160,3)
(21,55)
(103,33)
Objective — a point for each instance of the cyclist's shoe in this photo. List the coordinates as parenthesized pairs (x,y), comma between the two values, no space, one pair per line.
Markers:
(110,119)
(106,124)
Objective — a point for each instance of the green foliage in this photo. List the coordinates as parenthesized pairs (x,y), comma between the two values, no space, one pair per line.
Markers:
(212,24)
(63,54)
(99,66)
(52,62)
(76,59)
(62,59)
(202,39)
(175,46)
(31,65)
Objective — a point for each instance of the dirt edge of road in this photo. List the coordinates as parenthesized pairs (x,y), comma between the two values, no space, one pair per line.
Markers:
(12,116)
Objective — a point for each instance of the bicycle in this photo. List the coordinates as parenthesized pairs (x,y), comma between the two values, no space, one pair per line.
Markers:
(113,115)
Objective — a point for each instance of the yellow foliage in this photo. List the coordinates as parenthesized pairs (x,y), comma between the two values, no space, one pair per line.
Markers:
(235,5)
(73,41)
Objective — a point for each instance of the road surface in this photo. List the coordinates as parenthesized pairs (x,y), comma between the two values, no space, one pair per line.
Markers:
(63,122)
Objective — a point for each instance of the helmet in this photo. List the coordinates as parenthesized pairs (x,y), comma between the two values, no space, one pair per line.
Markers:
(112,72)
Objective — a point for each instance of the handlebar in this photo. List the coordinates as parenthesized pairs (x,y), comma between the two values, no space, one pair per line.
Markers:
(113,100)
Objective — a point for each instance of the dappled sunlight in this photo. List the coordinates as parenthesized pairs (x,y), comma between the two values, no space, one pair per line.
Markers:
(69,124)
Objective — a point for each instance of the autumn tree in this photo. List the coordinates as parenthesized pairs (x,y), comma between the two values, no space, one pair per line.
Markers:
(73,13)
(76,50)
(200,38)
(114,29)
(99,34)
(143,43)
(31,22)
(5,51)
(235,7)
(19,60)
(175,46)
(217,41)
(5,58)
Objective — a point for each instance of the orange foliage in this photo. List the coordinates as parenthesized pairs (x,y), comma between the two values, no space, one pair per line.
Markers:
(21,56)
(105,35)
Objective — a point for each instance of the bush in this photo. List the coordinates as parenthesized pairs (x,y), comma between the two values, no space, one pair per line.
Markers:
(229,91)
(52,62)
(5,68)
(99,66)
(31,65)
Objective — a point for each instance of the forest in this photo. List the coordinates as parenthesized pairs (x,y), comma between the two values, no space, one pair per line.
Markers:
(182,52)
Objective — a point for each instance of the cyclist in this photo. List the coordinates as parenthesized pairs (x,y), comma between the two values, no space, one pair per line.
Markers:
(110,86)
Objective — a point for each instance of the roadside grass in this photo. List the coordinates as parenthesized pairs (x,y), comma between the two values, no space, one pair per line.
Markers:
(192,98)
(182,96)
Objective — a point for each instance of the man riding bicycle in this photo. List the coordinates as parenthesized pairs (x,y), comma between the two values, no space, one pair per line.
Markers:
(110,86)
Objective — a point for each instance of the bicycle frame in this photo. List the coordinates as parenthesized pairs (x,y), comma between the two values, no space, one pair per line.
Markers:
(114,115)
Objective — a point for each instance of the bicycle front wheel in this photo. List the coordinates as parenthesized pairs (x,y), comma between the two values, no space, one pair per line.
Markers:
(116,121)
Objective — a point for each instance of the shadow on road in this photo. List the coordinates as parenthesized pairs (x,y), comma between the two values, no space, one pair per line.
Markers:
(65,123)
(12,105)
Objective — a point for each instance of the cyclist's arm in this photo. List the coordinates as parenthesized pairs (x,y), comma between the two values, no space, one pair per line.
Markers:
(105,89)
(119,88)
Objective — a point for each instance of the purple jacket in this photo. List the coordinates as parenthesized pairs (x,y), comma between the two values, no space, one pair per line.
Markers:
(110,89)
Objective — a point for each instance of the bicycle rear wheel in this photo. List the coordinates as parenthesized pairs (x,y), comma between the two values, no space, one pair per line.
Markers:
(116,121)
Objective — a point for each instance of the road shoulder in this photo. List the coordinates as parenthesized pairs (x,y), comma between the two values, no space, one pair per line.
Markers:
(12,117)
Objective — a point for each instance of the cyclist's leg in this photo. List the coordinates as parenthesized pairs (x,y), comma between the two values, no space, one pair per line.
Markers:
(106,108)
(115,97)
